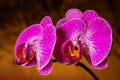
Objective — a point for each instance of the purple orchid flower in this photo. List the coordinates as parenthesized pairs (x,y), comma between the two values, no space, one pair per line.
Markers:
(83,34)
(35,46)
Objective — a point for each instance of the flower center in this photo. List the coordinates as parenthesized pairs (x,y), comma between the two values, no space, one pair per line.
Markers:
(72,51)
(25,54)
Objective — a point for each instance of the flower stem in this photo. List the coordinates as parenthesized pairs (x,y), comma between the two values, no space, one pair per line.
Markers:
(88,70)
(54,60)
(84,67)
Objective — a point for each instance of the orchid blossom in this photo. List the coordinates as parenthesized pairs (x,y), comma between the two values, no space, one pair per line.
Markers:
(35,46)
(83,34)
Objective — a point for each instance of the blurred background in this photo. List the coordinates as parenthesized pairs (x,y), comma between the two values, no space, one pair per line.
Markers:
(16,15)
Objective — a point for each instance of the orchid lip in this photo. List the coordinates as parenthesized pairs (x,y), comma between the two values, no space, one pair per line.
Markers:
(72,51)
(26,52)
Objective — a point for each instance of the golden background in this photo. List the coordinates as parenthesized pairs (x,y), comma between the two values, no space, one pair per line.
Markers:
(16,15)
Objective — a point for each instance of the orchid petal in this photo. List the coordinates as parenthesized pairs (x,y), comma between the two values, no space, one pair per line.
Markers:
(28,33)
(72,28)
(98,40)
(60,22)
(102,65)
(46,46)
(47,69)
(45,21)
(31,32)
(73,13)
(88,15)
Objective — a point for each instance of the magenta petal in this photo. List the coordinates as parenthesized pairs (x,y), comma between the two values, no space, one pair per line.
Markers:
(47,69)
(73,13)
(46,46)
(102,65)
(60,22)
(70,30)
(88,15)
(28,33)
(98,40)
(45,21)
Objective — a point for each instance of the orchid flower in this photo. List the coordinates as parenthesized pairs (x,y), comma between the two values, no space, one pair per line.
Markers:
(83,35)
(35,46)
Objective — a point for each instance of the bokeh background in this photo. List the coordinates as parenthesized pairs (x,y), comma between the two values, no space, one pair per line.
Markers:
(16,15)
